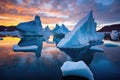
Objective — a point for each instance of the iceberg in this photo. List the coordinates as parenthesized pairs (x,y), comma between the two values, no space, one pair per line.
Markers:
(60,29)
(59,32)
(64,29)
(57,29)
(114,35)
(76,68)
(31,28)
(31,37)
(83,33)
(47,33)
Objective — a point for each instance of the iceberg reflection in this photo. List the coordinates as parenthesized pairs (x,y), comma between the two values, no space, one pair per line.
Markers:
(31,44)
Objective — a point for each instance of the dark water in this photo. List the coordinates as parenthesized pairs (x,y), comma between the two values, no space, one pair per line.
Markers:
(26,66)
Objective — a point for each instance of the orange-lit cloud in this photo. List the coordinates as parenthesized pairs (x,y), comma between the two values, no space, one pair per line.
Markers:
(69,12)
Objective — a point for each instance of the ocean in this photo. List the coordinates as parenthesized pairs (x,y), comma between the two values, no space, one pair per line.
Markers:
(26,66)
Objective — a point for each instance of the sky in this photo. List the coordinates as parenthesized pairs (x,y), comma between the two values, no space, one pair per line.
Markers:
(52,12)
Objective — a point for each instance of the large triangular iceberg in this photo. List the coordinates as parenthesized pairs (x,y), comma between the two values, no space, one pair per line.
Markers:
(83,33)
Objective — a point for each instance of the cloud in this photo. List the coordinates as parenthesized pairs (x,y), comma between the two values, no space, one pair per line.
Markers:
(60,11)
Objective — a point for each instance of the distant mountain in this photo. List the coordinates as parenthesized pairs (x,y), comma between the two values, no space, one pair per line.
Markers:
(109,28)
(8,28)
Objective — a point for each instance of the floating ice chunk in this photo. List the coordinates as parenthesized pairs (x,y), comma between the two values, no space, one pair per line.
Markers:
(76,68)
(96,48)
(31,48)
(114,35)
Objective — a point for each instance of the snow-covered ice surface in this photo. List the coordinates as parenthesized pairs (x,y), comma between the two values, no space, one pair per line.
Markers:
(76,68)
(83,33)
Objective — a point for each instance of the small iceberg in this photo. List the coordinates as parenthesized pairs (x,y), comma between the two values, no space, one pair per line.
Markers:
(76,68)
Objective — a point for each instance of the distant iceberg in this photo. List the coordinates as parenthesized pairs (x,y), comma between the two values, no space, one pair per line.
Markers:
(83,33)
(64,29)
(76,68)
(60,29)
(47,33)
(114,35)
(59,32)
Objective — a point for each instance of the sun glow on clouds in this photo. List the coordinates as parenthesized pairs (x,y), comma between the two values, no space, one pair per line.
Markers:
(52,12)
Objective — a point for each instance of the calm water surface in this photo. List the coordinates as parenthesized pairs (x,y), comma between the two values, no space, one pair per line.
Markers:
(26,66)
